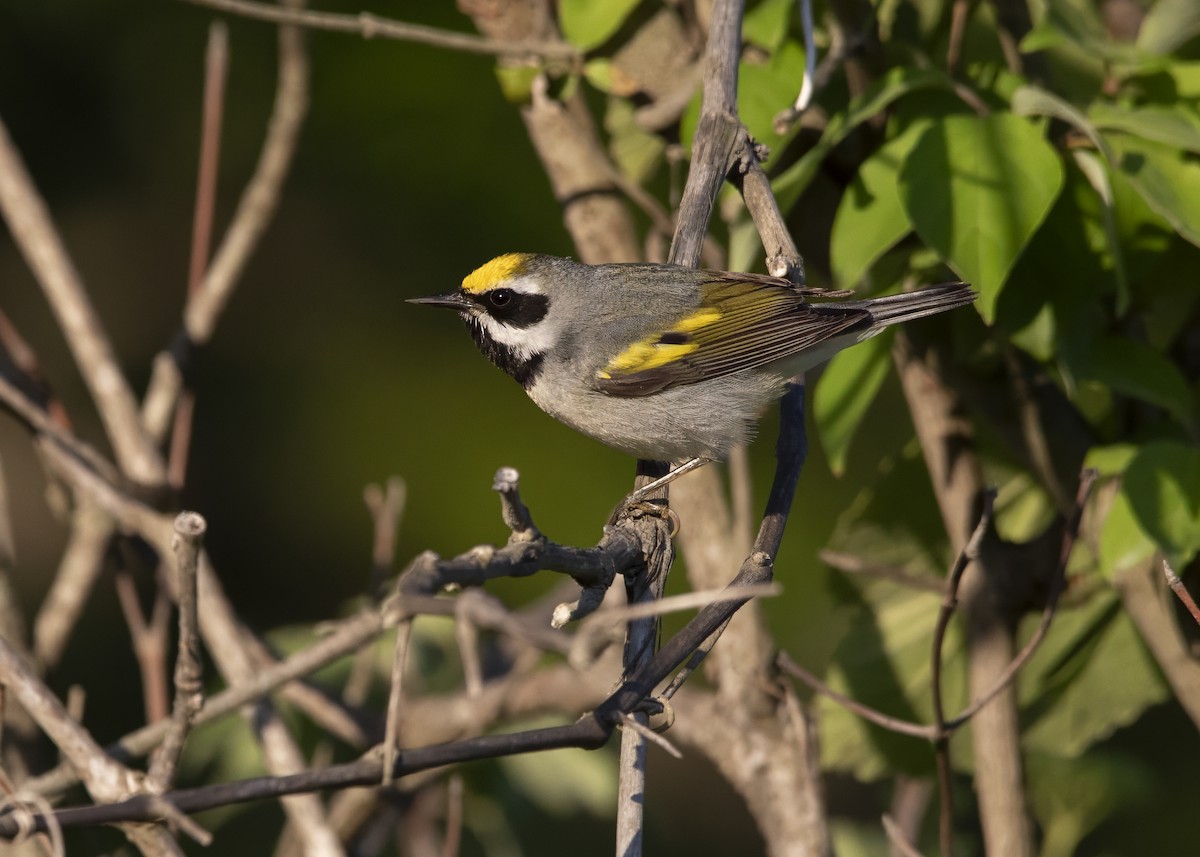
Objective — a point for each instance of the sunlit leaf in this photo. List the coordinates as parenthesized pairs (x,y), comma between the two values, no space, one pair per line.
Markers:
(1163,486)
(976,189)
(1168,181)
(1068,692)
(589,23)
(766,24)
(1168,25)
(870,218)
(1123,542)
(1172,127)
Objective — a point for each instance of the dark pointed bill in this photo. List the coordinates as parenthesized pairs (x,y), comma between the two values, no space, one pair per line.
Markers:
(454,300)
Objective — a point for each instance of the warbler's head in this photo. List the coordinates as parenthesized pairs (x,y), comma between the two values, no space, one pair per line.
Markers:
(507,304)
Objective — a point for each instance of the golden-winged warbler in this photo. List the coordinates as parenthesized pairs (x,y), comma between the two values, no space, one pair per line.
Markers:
(660,361)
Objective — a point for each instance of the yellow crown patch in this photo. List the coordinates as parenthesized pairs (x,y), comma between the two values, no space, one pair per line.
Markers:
(498,270)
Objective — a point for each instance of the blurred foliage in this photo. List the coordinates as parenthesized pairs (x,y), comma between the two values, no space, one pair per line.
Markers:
(1057,169)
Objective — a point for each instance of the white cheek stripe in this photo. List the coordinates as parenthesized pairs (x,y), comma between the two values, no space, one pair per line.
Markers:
(525,342)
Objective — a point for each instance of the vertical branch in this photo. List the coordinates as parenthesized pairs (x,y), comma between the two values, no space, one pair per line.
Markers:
(189,691)
(947,441)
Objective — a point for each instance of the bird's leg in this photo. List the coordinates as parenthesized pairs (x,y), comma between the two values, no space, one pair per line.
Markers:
(645,491)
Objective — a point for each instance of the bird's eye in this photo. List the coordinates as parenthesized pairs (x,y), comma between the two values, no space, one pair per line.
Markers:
(501,297)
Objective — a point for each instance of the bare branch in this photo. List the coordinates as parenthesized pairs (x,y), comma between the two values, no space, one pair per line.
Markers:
(370,26)
(189,689)
(34,233)
(1176,585)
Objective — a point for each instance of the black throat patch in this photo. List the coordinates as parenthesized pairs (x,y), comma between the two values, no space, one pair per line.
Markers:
(524,371)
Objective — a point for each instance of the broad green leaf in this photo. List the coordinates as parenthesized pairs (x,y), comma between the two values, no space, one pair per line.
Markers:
(884,662)
(589,23)
(1168,25)
(1110,460)
(1135,369)
(1023,508)
(1123,542)
(1172,127)
(766,25)
(1033,101)
(1096,172)
(1101,784)
(636,151)
(765,89)
(1163,486)
(1068,22)
(976,189)
(599,73)
(1070,693)
(1168,181)
(898,82)
(845,392)
(870,218)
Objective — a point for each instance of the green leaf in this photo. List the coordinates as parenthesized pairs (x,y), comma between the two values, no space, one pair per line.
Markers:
(1123,542)
(636,151)
(898,82)
(1033,101)
(599,73)
(845,392)
(1163,486)
(590,23)
(1169,182)
(1096,172)
(766,25)
(1102,783)
(1069,22)
(976,189)
(1168,25)
(1110,460)
(1135,369)
(870,218)
(1160,124)
(884,662)
(516,82)
(765,89)
(1091,676)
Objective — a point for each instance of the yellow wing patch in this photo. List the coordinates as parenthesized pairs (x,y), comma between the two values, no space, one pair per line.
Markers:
(663,348)
(498,270)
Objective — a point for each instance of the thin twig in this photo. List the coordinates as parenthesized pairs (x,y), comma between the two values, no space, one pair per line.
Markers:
(452,842)
(849,563)
(33,231)
(1180,590)
(391,739)
(149,638)
(189,689)
(78,570)
(1086,480)
(386,506)
(370,26)
(884,721)
(896,836)
(941,743)
(255,210)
